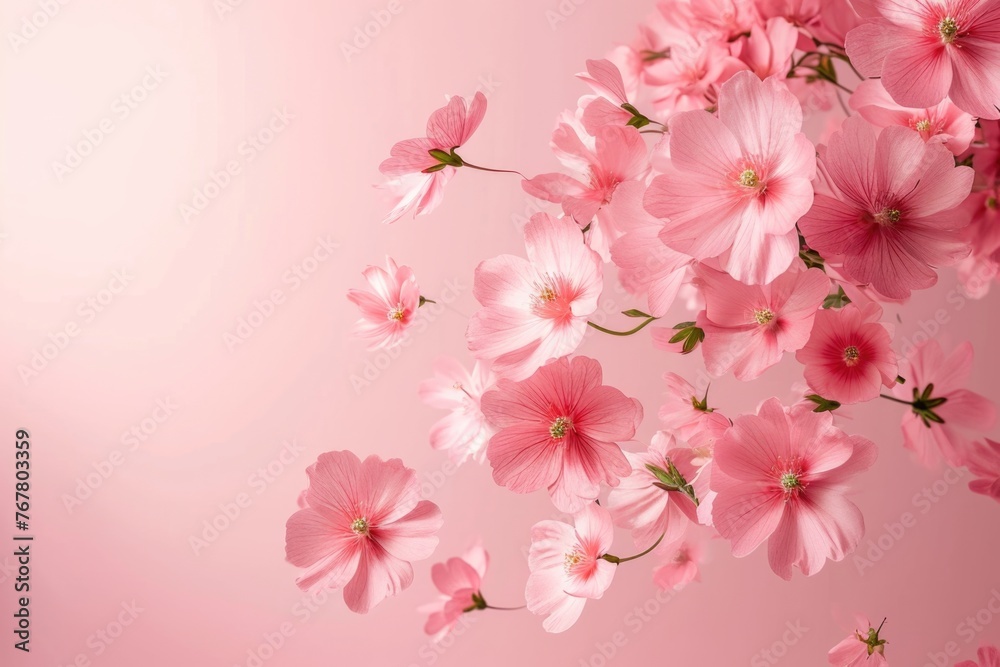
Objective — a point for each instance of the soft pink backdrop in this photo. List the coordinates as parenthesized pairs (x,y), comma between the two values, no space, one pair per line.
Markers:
(162,338)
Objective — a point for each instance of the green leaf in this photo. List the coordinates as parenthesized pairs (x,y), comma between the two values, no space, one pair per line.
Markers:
(836,300)
(634,312)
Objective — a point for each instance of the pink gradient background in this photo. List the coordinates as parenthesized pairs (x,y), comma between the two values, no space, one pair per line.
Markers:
(163,337)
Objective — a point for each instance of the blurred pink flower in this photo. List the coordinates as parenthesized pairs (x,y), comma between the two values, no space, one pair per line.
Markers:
(464,432)
(416,177)
(935,428)
(783,475)
(655,500)
(944,123)
(535,309)
(686,414)
(978,271)
(689,79)
(458,580)
(619,155)
(680,566)
(737,183)
(849,355)
(388,310)
(893,218)
(363,525)
(989,656)
(566,566)
(748,328)
(646,265)
(926,51)
(559,430)
(767,51)
(862,648)
(983,460)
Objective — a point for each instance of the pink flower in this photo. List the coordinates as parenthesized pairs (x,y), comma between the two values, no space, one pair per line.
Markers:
(935,428)
(768,49)
(989,656)
(686,414)
(984,462)
(737,184)
(566,566)
(977,271)
(363,525)
(783,475)
(389,311)
(926,51)
(464,432)
(749,328)
(416,176)
(535,309)
(658,497)
(690,78)
(458,580)
(559,430)
(944,122)
(849,355)
(892,219)
(646,265)
(619,155)
(862,648)
(607,109)
(680,566)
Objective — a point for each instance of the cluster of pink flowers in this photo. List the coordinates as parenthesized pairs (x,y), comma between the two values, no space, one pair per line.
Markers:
(688,171)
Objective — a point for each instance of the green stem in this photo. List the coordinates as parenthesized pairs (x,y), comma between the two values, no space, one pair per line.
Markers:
(489,606)
(622,333)
(617,561)
(496,171)
(897,400)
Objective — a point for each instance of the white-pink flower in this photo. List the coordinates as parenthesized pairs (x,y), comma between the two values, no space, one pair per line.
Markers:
(567,568)
(464,431)
(535,309)
(679,565)
(686,413)
(737,183)
(458,580)
(388,310)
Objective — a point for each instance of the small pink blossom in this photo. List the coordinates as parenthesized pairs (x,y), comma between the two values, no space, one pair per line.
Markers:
(934,428)
(978,271)
(768,49)
(983,460)
(862,648)
(608,108)
(364,524)
(782,476)
(535,309)
(748,328)
(893,216)
(566,566)
(944,122)
(389,309)
(416,177)
(687,414)
(989,656)
(679,566)
(737,183)
(690,78)
(849,355)
(619,155)
(458,580)
(560,430)
(926,51)
(464,432)
(658,497)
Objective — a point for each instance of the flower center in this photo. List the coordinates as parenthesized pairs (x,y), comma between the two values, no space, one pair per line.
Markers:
(547,294)
(749,179)
(360,526)
(851,355)
(922,125)
(948,29)
(573,559)
(790,481)
(763,316)
(559,427)
(397,313)
(888,216)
